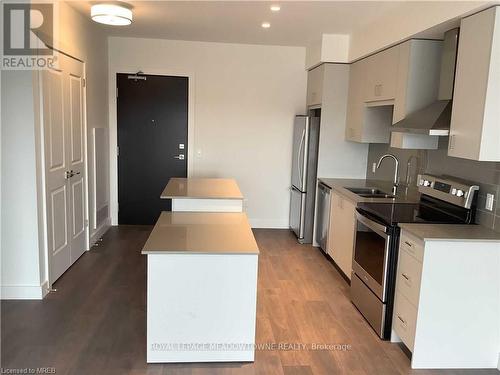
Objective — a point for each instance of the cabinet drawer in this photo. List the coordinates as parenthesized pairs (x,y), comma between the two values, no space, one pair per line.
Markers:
(413,246)
(404,320)
(409,275)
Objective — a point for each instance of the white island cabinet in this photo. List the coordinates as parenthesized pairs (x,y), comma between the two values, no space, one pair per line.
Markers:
(447,300)
(204,194)
(201,288)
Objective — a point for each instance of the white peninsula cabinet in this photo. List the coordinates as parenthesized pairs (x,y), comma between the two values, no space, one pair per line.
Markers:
(475,124)
(203,194)
(341,232)
(387,86)
(447,299)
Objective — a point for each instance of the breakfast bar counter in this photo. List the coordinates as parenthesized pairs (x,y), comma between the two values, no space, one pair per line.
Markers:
(201,288)
(204,194)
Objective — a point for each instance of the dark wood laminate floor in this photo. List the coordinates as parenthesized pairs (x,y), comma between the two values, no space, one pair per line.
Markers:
(95,322)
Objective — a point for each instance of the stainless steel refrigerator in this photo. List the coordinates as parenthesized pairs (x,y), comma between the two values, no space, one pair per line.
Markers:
(304,167)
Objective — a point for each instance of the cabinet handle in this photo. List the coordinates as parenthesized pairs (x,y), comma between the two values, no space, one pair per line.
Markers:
(402,320)
(452,142)
(409,243)
(405,276)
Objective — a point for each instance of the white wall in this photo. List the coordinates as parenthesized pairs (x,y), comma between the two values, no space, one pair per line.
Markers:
(245,100)
(22,268)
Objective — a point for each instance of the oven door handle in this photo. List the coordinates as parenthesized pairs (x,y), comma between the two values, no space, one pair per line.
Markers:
(371,224)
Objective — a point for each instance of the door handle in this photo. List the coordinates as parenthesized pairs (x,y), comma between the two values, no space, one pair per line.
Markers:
(179,157)
(69,174)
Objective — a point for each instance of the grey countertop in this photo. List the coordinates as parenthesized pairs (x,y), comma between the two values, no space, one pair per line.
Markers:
(202,188)
(434,232)
(404,195)
(201,233)
(451,232)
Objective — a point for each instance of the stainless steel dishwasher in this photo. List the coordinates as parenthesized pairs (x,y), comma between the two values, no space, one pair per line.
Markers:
(323,215)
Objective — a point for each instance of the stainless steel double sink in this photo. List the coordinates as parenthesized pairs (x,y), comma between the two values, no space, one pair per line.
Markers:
(369,192)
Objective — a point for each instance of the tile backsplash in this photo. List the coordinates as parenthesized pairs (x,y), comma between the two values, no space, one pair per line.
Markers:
(484,174)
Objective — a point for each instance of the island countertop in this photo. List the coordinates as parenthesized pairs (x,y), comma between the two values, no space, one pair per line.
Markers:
(201,233)
(202,188)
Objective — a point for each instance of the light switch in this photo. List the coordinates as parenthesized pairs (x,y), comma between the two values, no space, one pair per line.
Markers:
(181,146)
(489,202)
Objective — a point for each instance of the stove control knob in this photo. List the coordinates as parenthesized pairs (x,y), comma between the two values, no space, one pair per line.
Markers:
(453,191)
(427,183)
(460,193)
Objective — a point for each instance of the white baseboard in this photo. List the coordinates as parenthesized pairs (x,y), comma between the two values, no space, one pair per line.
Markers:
(268,224)
(498,364)
(24,291)
(100,231)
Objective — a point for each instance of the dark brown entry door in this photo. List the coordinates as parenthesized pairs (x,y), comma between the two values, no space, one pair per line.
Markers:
(152,136)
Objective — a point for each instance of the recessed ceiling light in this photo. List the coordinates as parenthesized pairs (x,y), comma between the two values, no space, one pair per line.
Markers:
(275,8)
(111,14)
(266,25)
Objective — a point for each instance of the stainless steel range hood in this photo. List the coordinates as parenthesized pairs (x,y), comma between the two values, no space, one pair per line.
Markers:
(434,120)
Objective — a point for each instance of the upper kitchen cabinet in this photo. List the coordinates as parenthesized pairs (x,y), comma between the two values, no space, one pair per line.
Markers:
(315,79)
(475,124)
(364,123)
(387,86)
(381,75)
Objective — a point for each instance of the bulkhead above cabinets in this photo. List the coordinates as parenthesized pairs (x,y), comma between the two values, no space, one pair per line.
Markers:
(386,86)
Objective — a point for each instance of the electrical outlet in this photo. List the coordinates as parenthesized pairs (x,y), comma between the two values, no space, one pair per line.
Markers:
(374,167)
(489,202)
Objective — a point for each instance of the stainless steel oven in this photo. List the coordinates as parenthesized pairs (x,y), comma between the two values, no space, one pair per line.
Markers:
(443,200)
(371,265)
(371,254)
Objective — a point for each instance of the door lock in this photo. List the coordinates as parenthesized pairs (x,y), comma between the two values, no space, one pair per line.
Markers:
(179,157)
(69,174)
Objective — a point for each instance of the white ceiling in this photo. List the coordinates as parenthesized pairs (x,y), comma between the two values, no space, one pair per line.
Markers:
(297,23)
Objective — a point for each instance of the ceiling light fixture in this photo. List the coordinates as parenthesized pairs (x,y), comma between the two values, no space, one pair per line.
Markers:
(275,8)
(111,14)
(266,25)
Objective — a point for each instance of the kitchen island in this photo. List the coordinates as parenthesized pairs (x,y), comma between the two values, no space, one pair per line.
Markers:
(204,194)
(201,288)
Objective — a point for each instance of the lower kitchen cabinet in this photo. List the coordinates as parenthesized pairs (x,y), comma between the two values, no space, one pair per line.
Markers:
(446,305)
(341,232)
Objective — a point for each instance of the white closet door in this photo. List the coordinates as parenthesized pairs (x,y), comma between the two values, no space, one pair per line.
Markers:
(62,93)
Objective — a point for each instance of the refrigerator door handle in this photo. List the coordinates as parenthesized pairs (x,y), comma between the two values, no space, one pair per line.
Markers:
(298,157)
